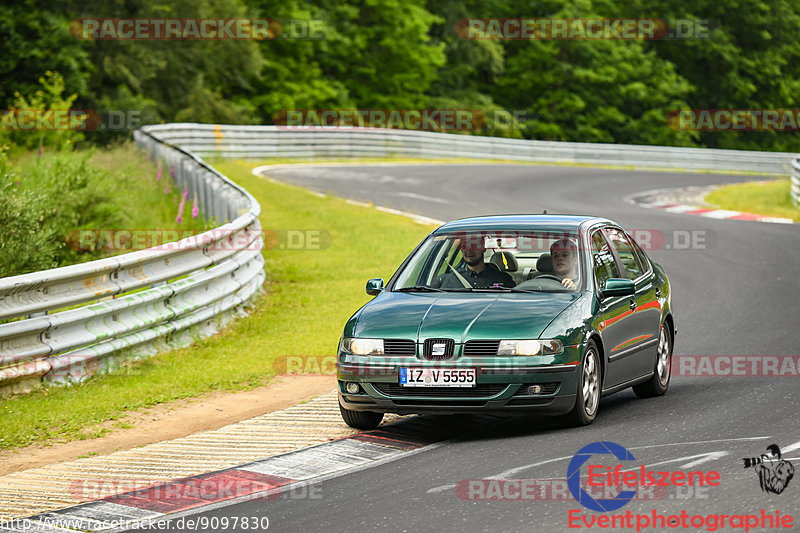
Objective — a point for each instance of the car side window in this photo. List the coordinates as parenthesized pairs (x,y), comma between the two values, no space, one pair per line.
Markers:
(605,266)
(631,268)
(642,257)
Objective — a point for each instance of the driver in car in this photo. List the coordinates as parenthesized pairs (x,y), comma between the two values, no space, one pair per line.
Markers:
(474,272)
(564,254)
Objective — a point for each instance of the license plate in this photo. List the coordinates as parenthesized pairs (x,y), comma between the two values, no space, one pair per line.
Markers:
(437,377)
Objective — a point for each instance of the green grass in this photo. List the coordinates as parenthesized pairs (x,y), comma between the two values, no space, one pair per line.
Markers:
(769,198)
(310,295)
(141,199)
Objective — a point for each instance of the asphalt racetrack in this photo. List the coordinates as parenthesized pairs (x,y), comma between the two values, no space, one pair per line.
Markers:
(736,292)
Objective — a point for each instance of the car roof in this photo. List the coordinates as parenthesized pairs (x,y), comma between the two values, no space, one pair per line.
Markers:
(520,222)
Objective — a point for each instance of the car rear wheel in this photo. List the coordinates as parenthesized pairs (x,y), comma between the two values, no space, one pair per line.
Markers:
(659,383)
(360,419)
(587,399)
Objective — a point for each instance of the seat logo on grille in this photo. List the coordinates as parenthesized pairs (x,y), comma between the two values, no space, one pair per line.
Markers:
(438,349)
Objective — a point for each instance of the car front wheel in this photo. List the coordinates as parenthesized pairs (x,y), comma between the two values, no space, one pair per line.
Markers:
(360,419)
(587,398)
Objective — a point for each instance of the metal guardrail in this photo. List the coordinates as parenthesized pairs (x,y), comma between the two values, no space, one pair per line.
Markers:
(222,275)
(219,272)
(276,141)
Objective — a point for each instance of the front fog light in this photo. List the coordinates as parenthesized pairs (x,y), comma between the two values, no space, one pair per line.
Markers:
(534,389)
(352,388)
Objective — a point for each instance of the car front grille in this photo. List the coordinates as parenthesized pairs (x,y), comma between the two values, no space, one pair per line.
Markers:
(481,348)
(478,391)
(449,349)
(399,347)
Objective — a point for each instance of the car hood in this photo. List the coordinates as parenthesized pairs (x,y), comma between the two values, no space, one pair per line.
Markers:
(460,316)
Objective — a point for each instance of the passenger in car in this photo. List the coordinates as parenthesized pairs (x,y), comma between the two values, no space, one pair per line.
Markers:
(564,254)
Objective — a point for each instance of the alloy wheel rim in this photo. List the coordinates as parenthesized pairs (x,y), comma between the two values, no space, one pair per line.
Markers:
(591,383)
(663,362)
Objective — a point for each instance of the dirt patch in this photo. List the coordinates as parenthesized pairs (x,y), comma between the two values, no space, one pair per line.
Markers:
(173,420)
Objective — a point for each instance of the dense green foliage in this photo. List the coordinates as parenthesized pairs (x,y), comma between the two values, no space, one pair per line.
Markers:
(407,54)
(46,201)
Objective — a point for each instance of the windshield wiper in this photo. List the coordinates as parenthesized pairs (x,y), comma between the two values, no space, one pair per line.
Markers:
(502,289)
(421,288)
(489,289)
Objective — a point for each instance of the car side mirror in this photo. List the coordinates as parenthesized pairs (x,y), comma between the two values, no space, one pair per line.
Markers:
(618,287)
(375,286)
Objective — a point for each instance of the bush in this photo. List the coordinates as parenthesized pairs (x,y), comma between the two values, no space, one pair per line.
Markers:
(41,204)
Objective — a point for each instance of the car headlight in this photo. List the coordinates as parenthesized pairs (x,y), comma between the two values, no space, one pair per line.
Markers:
(530,347)
(364,346)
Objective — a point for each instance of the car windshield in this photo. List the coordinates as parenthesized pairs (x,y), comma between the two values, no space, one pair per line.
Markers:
(503,261)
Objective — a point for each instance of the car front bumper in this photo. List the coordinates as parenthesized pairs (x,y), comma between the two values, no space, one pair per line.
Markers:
(501,386)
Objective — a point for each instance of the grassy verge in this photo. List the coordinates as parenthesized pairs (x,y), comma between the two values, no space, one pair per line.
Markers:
(310,295)
(768,198)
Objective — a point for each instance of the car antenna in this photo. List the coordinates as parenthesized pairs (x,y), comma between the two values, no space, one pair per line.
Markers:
(544,212)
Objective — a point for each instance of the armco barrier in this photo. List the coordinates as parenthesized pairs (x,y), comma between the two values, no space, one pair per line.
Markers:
(282,141)
(217,279)
(163,313)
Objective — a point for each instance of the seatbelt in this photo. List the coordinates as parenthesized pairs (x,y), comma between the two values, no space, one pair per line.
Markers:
(462,279)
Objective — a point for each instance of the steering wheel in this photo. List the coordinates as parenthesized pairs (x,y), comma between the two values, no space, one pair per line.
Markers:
(549,276)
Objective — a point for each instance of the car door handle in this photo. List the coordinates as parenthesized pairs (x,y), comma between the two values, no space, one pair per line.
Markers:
(633,304)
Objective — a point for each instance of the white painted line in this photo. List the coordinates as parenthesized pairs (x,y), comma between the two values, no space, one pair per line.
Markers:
(700,442)
(359,448)
(417,218)
(681,208)
(704,458)
(721,213)
(258,171)
(310,463)
(791,447)
(420,197)
(776,220)
(360,204)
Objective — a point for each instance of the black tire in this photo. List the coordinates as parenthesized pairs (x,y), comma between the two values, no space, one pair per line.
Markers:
(659,383)
(360,419)
(587,397)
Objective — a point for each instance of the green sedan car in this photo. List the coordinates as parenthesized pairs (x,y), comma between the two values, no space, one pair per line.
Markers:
(540,313)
